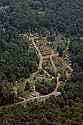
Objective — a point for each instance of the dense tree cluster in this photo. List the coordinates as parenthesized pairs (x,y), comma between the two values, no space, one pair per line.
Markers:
(28,16)
(52,112)
(18,60)
(44,15)
(74,87)
(76,49)
(66,109)
(45,86)
(7,94)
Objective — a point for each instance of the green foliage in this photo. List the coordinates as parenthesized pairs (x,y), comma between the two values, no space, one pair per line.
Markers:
(76,49)
(45,86)
(16,60)
(61,88)
(74,87)
(52,112)
(60,50)
(28,87)
(7,94)
(43,16)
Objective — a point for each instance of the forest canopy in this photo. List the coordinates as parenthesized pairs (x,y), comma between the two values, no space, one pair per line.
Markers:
(43,15)
(40,16)
(18,60)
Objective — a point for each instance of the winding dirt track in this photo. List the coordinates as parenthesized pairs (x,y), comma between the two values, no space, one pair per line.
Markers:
(40,98)
(55,93)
